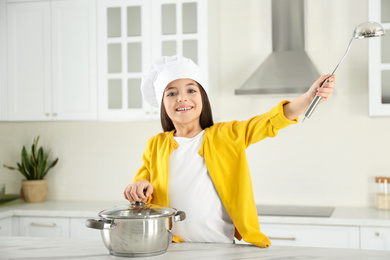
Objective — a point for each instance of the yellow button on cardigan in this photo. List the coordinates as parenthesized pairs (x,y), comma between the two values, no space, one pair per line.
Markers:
(223,149)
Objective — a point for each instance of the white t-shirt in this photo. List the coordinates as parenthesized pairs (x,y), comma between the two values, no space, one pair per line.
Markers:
(191,190)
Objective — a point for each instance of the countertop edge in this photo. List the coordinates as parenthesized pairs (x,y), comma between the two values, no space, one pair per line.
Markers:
(342,216)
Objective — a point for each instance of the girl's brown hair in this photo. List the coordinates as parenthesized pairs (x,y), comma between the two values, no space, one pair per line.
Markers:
(205,120)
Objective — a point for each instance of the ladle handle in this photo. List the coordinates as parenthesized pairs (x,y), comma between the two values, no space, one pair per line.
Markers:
(314,103)
(316,100)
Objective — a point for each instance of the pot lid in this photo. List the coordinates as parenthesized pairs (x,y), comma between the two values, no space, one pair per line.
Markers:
(137,210)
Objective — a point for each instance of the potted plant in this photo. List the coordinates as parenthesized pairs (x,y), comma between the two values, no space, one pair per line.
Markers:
(34,168)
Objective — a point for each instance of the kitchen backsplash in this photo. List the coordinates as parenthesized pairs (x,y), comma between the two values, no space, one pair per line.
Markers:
(331,159)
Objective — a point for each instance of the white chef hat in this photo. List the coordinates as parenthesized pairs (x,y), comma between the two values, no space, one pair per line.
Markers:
(164,70)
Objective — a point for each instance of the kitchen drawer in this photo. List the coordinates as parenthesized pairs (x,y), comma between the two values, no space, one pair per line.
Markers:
(312,235)
(43,227)
(79,230)
(375,238)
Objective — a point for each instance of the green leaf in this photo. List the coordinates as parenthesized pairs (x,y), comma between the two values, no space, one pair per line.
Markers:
(51,165)
(9,167)
(34,150)
(23,172)
(26,162)
(44,169)
(42,163)
(33,158)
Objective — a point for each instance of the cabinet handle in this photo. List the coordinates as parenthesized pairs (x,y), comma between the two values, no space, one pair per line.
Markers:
(54,114)
(283,238)
(47,114)
(377,234)
(43,224)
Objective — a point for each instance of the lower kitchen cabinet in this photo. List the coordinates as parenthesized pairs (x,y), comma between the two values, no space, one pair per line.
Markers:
(375,238)
(79,230)
(48,227)
(312,235)
(43,227)
(348,234)
(9,226)
(6,227)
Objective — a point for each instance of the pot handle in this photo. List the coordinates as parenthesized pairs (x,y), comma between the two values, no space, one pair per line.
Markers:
(95,223)
(180,216)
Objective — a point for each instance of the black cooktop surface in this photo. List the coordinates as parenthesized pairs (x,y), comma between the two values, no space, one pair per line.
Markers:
(294,211)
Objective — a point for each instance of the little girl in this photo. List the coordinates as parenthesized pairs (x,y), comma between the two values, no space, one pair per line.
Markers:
(200,167)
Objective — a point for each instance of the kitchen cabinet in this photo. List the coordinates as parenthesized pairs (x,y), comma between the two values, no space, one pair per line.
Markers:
(6,227)
(84,59)
(375,238)
(43,227)
(47,227)
(133,33)
(51,60)
(312,235)
(379,61)
(9,226)
(348,227)
(3,61)
(79,230)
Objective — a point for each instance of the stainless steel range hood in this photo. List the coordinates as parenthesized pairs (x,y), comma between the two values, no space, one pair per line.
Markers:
(288,69)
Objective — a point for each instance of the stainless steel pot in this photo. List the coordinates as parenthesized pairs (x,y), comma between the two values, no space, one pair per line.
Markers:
(137,229)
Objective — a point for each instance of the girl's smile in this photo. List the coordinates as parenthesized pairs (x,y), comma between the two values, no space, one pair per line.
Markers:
(183,108)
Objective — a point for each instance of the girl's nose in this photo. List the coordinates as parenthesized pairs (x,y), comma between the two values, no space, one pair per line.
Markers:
(181,97)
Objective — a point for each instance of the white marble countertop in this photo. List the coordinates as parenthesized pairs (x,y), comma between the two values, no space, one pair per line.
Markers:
(346,216)
(94,249)
(56,208)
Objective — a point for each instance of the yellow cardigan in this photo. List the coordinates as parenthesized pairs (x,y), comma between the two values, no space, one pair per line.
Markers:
(223,148)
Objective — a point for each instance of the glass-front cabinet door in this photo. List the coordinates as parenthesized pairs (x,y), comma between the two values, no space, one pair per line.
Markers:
(379,60)
(181,28)
(124,46)
(134,32)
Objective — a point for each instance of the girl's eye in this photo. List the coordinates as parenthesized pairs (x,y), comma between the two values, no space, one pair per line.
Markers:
(171,94)
(191,91)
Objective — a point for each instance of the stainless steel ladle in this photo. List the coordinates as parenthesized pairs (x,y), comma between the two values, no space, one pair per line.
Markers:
(362,31)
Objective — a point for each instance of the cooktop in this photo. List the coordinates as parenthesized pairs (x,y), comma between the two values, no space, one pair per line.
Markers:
(294,211)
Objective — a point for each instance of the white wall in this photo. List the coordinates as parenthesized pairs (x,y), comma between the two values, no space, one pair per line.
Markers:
(330,159)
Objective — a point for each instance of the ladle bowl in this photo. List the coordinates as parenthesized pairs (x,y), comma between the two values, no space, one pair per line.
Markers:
(367,30)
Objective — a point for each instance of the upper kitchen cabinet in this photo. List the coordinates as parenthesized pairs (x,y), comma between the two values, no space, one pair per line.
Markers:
(379,60)
(182,29)
(131,33)
(51,61)
(124,47)
(3,61)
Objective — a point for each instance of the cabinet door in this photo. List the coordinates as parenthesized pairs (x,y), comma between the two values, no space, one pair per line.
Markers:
(43,227)
(3,61)
(180,28)
(379,61)
(74,64)
(375,238)
(29,71)
(124,54)
(312,235)
(134,32)
(6,227)
(79,230)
